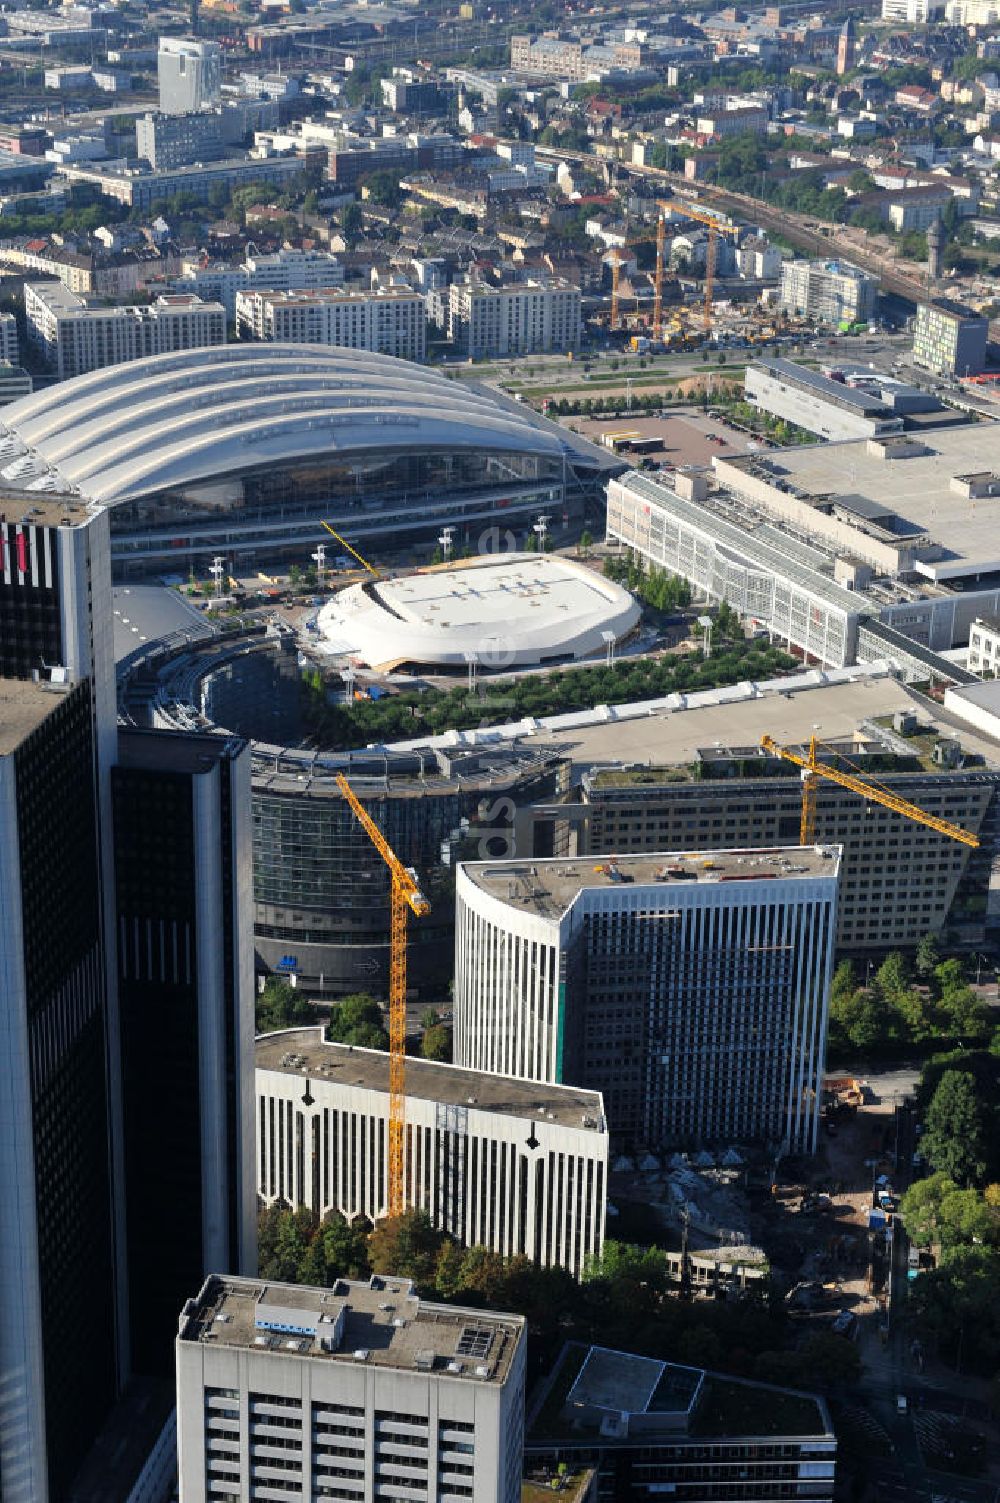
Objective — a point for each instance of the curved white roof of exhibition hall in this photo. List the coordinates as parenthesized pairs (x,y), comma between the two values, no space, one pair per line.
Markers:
(198,415)
(505,611)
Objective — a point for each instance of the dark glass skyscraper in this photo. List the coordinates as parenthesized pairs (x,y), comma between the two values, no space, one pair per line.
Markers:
(185,983)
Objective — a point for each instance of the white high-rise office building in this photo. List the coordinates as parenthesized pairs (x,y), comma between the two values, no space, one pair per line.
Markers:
(690,990)
(359,1392)
(508,1164)
(189,74)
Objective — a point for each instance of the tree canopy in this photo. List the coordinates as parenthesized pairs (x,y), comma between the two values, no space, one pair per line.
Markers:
(281,1005)
(358,1020)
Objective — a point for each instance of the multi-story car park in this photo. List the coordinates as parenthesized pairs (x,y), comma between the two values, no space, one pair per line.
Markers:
(690,990)
(361,1391)
(508,1164)
(242,450)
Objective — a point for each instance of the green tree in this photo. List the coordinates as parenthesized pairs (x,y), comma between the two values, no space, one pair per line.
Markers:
(281,1005)
(954,1141)
(408,1246)
(350,218)
(358,1020)
(482,1275)
(928,957)
(965,1015)
(920,1208)
(448,1270)
(586,543)
(955,1306)
(436,1043)
(893,975)
(828,1358)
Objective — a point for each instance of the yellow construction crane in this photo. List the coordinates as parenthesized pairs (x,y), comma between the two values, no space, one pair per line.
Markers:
(352,551)
(716,227)
(406,897)
(813,770)
(616,276)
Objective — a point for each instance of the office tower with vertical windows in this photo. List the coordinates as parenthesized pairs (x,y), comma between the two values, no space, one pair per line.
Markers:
(184,910)
(358,1392)
(690,990)
(512,1165)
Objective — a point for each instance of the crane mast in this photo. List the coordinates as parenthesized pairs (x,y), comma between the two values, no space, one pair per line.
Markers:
(406,897)
(813,770)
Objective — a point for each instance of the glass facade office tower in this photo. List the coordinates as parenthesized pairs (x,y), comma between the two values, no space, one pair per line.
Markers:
(185,984)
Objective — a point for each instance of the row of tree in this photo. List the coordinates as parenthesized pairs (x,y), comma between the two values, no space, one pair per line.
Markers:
(956,1211)
(905,1006)
(357,1019)
(626,1298)
(431,710)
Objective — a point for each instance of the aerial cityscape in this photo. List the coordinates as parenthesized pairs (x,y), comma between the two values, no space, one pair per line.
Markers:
(499,751)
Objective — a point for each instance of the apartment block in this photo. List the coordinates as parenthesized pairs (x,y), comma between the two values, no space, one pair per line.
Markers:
(73,336)
(388,321)
(830,291)
(358,1392)
(949,338)
(512,1165)
(282,271)
(526,318)
(690,990)
(984,647)
(9,351)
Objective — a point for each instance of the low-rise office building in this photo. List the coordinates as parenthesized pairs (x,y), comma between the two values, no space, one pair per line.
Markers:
(828,408)
(73,336)
(648,1427)
(387,321)
(510,1164)
(356,1392)
(690,990)
(138,189)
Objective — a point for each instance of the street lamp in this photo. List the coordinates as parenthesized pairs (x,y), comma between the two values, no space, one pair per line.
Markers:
(705,622)
(446,542)
(541,527)
(217,569)
(319,559)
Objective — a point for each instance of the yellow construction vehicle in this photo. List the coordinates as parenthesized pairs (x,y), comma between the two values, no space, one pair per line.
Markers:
(813,769)
(406,898)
